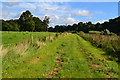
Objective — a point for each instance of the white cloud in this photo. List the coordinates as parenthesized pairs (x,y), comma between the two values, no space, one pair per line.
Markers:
(83,13)
(67,15)
(12,3)
(7,7)
(71,20)
(62,0)
(27,6)
(3,15)
(59,14)
(55,19)
(51,9)
(102,21)
(61,20)
(8,15)
(89,17)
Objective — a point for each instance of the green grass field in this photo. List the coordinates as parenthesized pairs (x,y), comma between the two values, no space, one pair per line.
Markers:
(53,55)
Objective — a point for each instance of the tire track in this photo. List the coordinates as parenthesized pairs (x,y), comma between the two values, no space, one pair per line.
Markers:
(58,64)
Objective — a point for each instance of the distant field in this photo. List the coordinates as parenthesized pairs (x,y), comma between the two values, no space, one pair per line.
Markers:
(53,55)
(11,38)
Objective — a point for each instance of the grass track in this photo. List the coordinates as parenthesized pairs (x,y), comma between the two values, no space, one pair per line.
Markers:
(71,55)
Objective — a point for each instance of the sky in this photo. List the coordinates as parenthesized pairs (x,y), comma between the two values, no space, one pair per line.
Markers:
(61,12)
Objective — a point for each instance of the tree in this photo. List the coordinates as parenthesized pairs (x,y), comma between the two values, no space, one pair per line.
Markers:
(80,26)
(51,29)
(46,22)
(38,24)
(29,25)
(26,21)
(98,27)
(14,25)
(25,15)
(5,26)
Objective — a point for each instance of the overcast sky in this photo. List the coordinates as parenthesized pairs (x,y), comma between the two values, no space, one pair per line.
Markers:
(62,12)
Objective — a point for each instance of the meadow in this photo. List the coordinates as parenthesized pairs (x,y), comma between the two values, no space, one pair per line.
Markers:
(54,55)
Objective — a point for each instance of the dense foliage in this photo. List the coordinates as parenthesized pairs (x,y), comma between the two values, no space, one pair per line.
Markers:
(113,25)
(26,22)
(111,44)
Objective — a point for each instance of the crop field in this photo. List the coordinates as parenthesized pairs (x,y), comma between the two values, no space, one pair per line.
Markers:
(54,55)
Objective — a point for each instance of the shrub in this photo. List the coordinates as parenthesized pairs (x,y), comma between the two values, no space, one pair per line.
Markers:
(94,32)
(106,32)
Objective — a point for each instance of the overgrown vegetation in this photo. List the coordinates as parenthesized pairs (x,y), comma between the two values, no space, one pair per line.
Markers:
(111,44)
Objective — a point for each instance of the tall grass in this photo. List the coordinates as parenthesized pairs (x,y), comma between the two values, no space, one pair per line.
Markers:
(111,44)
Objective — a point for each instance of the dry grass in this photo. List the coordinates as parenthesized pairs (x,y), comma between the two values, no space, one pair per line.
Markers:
(50,38)
(1,51)
(34,60)
(40,43)
(21,48)
(97,66)
(4,51)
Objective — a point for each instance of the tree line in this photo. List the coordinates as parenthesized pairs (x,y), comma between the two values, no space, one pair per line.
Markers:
(26,22)
(113,25)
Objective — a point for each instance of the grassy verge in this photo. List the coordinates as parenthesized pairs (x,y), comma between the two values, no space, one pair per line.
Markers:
(24,57)
(110,44)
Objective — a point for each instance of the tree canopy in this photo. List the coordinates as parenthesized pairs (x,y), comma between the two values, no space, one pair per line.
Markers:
(26,22)
(113,25)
